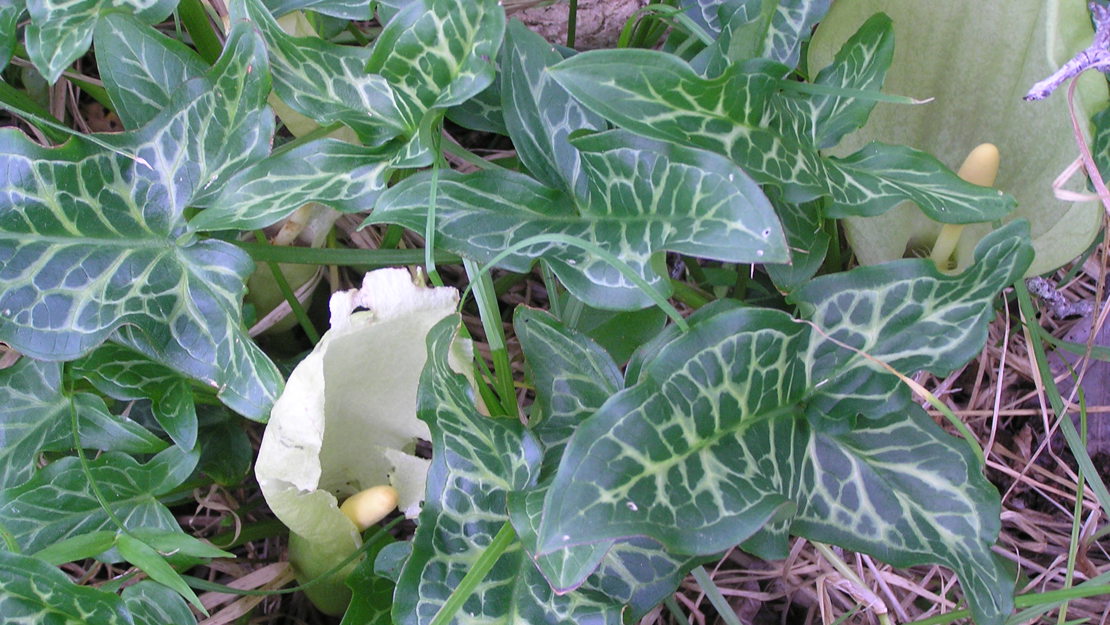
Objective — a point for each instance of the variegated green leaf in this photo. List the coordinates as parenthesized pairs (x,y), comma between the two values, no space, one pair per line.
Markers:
(438,53)
(907,315)
(779,39)
(431,55)
(61,30)
(476,462)
(343,176)
(707,13)
(346,9)
(860,65)
(716,418)
(644,197)
(326,81)
(371,593)
(124,374)
(58,502)
(141,68)
(36,592)
(540,115)
(93,243)
(151,603)
(808,241)
(572,375)
(676,430)
(740,114)
(975,105)
(11,12)
(36,416)
(791,25)
(482,112)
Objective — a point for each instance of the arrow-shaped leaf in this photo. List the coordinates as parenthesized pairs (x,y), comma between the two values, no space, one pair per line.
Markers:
(58,502)
(907,315)
(36,592)
(644,197)
(540,114)
(326,81)
(725,416)
(123,374)
(715,418)
(61,30)
(141,68)
(476,461)
(36,416)
(93,243)
(345,177)
(741,114)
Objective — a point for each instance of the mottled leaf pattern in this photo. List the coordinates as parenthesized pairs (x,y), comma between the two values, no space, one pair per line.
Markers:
(790,23)
(61,30)
(124,374)
(151,603)
(482,112)
(58,502)
(476,462)
(860,65)
(36,592)
(674,431)
(572,375)
(808,241)
(345,177)
(723,415)
(904,314)
(644,197)
(93,243)
(573,378)
(438,53)
(540,114)
(740,115)
(11,11)
(36,416)
(326,81)
(141,68)
(347,9)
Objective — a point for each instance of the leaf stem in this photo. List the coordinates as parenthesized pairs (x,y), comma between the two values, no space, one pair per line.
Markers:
(264,252)
(196,21)
(713,593)
(572,22)
(486,297)
(658,298)
(290,297)
(505,537)
(84,462)
(430,228)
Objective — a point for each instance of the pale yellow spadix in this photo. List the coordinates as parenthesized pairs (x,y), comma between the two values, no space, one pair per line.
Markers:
(981,168)
(369,506)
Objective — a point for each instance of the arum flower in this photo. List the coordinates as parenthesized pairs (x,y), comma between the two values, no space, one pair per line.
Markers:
(346,422)
(976,60)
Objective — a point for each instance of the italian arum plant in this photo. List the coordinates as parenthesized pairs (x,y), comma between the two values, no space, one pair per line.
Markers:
(699,371)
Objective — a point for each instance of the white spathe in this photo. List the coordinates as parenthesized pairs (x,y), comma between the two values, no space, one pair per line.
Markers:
(346,420)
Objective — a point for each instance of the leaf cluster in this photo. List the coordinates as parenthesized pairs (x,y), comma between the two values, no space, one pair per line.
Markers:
(694,175)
